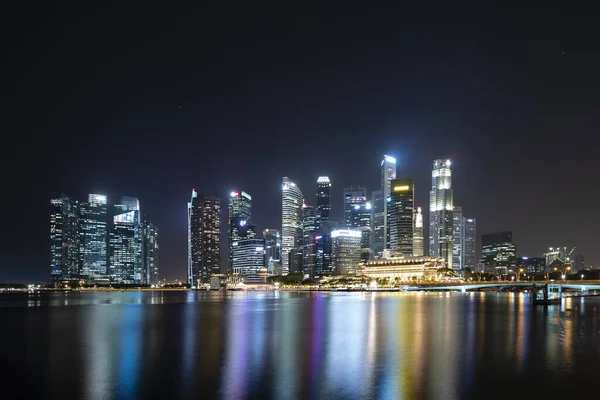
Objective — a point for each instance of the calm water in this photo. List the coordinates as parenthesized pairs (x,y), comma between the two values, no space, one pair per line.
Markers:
(236,345)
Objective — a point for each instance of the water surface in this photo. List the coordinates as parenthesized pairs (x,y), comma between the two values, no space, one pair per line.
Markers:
(267,345)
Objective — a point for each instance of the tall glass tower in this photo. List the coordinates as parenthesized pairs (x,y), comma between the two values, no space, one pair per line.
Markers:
(323,210)
(239,220)
(291,221)
(272,250)
(94,236)
(380,206)
(204,244)
(440,212)
(126,238)
(457,234)
(468,239)
(418,245)
(400,217)
(64,238)
(353,195)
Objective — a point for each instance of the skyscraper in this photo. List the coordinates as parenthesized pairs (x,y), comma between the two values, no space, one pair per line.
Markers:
(346,251)
(309,255)
(498,251)
(360,219)
(248,256)
(353,195)
(377,225)
(457,238)
(323,209)
(291,221)
(272,250)
(418,238)
(239,220)
(126,242)
(440,212)
(400,217)
(64,238)
(94,236)
(469,247)
(380,204)
(150,253)
(204,244)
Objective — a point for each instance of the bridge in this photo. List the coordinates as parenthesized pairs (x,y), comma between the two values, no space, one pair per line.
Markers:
(581,286)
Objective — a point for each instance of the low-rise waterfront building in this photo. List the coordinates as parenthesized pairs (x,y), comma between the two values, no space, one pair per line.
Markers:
(403,268)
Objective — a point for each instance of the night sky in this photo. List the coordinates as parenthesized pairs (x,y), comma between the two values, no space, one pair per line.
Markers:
(152,102)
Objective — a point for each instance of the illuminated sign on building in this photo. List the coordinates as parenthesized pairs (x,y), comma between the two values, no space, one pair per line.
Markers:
(402,188)
(243,222)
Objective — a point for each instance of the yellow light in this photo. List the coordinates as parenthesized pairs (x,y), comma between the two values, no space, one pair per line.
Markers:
(403,188)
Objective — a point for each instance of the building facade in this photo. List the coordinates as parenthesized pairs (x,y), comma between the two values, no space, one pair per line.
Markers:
(239,214)
(309,249)
(346,251)
(126,242)
(204,238)
(248,257)
(457,236)
(360,219)
(469,243)
(418,238)
(498,252)
(64,238)
(441,200)
(94,236)
(404,269)
(272,251)
(353,196)
(400,223)
(377,223)
(150,254)
(291,222)
(323,209)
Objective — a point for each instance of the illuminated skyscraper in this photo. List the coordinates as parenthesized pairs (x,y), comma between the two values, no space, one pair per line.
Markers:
(291,221)
(440,212)
(204,244)
(323,209)
(150,253)
(400,217)
(498,251)
(469,247)
(272,250)
(360,219)
(126,242)
(239,220)
(346,251)
(248,256)
(380,204)
(457,234)
(64,238)
(418,238)
(353,195)
(309,249)
(94,236)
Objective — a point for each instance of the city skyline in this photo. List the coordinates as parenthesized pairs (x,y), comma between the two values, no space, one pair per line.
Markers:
(302,100)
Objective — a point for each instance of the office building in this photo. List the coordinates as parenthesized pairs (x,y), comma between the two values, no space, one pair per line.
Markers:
(418,235)
(579,263)
(457,234)
(64,238)
(498,252)
(346,251)
(291,222)
(469,243)
(94,236)
(377,223)
(440,212)
(309,256)
(353,196)
(360,219)
(239,219)
(531,265)
(323,209)
(150,254)
(204,244)
(400,223)
(126,242)
(248,256)
(272,251)
(558,253)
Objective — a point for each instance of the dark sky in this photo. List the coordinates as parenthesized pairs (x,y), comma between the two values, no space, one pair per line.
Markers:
(151,102)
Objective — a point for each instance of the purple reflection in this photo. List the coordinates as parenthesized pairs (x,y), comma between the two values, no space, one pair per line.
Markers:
(316,338)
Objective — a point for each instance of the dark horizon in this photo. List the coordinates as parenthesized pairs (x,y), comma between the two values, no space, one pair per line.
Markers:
(152,103)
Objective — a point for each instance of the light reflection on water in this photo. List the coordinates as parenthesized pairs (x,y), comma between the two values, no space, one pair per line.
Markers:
(296,345)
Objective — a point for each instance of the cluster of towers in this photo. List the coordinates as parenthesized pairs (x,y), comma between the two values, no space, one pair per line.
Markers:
(311,242)
(97,242)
